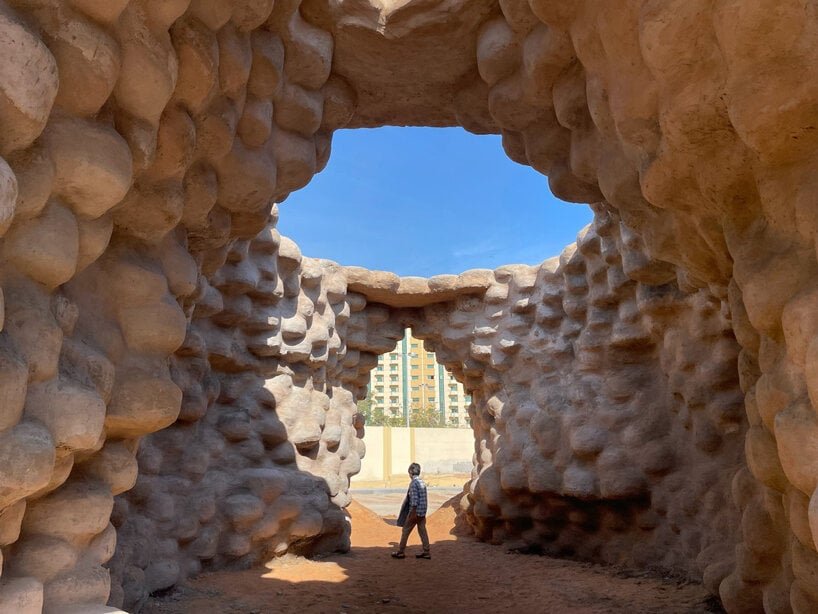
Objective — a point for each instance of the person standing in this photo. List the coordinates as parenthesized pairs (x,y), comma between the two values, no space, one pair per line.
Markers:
(418,504)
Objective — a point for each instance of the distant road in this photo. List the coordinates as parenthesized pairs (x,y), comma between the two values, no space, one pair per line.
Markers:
(386,502)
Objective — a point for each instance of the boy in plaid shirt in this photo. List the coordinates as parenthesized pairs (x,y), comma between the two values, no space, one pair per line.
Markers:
(418,503)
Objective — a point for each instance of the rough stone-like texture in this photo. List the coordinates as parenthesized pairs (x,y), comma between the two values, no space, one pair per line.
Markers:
(143,145)
(259,460)
(607,406)
(607,411)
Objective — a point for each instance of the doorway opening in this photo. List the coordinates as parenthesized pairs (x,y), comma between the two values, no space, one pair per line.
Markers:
(415,411)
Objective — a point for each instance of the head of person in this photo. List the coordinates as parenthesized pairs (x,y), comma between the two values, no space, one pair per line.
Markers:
(414,469)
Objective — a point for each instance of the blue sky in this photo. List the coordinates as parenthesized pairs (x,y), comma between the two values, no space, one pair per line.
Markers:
(426,201)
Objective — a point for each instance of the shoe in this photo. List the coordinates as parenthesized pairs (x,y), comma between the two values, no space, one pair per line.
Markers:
(424,555)
(398,555)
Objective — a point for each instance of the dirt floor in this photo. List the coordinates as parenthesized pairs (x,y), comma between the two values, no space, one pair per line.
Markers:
(464,575)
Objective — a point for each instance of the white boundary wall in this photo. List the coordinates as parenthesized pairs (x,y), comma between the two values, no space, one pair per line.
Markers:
(390,450)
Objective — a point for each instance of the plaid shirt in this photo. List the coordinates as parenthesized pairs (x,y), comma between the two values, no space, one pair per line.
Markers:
(417,496)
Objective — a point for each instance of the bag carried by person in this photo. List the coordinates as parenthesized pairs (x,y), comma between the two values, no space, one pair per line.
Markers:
(404,512)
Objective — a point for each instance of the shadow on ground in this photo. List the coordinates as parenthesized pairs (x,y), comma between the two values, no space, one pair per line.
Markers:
(464,575)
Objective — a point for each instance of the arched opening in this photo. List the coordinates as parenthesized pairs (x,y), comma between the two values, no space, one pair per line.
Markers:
(415,411)
(179,381)
(428,201)
(409,387)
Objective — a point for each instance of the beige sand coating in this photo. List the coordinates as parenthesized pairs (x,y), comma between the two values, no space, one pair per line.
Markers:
(649,397)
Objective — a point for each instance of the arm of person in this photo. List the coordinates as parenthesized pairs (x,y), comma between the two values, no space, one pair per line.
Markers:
(413,495)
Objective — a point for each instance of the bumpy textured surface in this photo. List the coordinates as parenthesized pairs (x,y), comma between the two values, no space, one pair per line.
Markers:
(258,462)
(607,412)
(650,397)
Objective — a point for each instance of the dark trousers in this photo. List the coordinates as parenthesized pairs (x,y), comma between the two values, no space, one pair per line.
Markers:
(412,521)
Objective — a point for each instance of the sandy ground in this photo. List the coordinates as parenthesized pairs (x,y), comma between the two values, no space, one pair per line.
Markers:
(464,575)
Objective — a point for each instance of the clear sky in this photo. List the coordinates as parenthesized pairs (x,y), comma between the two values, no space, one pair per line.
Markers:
(426,201)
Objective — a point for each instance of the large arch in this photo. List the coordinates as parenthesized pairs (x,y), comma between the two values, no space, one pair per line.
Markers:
(144,285)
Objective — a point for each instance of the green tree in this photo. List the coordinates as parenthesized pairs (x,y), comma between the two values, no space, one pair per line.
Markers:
(375,416)
(426,416)
(365,405)
(380,418)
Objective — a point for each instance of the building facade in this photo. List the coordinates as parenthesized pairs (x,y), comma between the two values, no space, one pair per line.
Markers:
(410,378)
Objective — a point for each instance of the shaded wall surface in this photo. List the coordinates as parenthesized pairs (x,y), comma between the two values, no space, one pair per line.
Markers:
(648,397)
